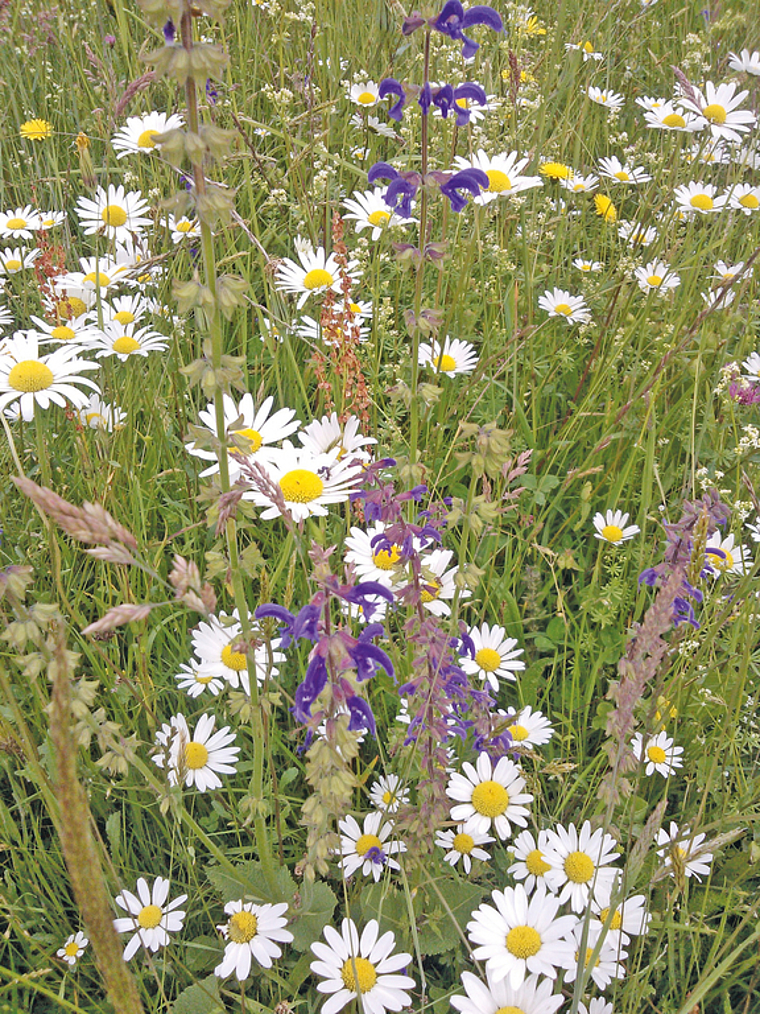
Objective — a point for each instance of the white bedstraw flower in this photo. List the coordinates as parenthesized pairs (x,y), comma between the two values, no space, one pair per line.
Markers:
(367,848)
(533,996)
(747,62)
(607,964)
(138,135)
(684,850)
(522,935)
(199,758)
(388,793)
(151,919)
(559,303)
(531,866)
(114,212)
(656,276)
(463,844)
(33,379)
(489,796)
(455,356)
(612,526)
(658,753)
(73,949)
(603,97)
(719,106)
(584,859)
(252,931)
(629,918)
(724,557)
(496,655)
(363,968)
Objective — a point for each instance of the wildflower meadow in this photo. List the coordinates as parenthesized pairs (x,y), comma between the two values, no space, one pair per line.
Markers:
(380,507)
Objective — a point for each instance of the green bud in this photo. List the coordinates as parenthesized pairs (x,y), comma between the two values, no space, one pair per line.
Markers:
(191,294)
(230,294)
(214,205)
(217,141)
(172,144)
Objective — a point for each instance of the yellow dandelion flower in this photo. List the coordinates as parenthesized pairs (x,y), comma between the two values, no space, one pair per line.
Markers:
(555,170)
(36,130)
(605,208)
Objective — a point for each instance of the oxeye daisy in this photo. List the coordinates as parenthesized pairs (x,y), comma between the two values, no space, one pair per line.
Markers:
(606,966)
(521,935)
(329,436)
(745,61)
(73,949)
(252,432)
(365,94)
(504,174)
(612,526)
(114,212)
(727,272)
(99,415)
(745,198)
(599,1005)
(198,760)
(36,130)
(637,234)
(464,844)
(723,556)
(375,558)
(605,208)
(629,918)
(711,152)
(699,197)
(533,996)
(719,106)
(216,645)
(360,120)
(123,309)
(98,273)
(139,133)
(587,50)
(719,299)
(669,116)
(193,680)
(437,583)
(614,169)
(313,331)
(183,228)
(369,210)
(584,859)
(388,793)
(529,728)
(363,968)
(587,266)
(656,276)
(252,931)
(125,341)
(559,303)
(496,655)
(684,852)
(367,848)
(455,356)
(488,796)
(34,379)
(18,259)
(752,366)
(316,273)
(20,223)
(50,219)
(603,97)
(578,184)
(150,918)
(305,484)
(531,865)
(658,753)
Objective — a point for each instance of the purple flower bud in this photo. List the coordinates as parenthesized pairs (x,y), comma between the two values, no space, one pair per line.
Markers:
(169,31)
(110,40)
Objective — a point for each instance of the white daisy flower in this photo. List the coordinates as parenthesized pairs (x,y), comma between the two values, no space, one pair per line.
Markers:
(748,63)
(97,414)
(587,50)
(656,276)
(313,331)
(754,529)
(123,309)
(18,259)
(372,559)
(369,210)
(73,949)
(125,341)
(629,918)
(496,655)
(308,483)
(579,184)
(455,356)
(362,968)
(19,223)
(34,379)
(316,273)
(584,859)
(138,135)
(253,437)
(199,759)
(114,212)
(437,583)
(614,169)
(522,935)
(529,728)
(719,106)
(253,931)
(329,436)
(215,645)
(612,526)
(367,848)
(504,172)
(364,94)
(658,753)
(533,996)
(727,272)
(531,865)
(637,234)
(559,303)
(489,796)
(722,554)
(360,120)
(607,964)
(183,228)
(684,850)
(150,918)
(699,197)
(73,332)
(603,97)
(388,793)
(599,1005)
(745,198)
(670,116)
(719,299)
(50,219)
(708,152)
(98,273)
(463,844)
(587,266)
(193,680)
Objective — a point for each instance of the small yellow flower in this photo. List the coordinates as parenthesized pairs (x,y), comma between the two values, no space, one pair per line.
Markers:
(555,170)
(605,208)
(533,26)
(36,130)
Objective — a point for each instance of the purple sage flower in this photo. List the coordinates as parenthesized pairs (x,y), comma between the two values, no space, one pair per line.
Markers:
(471,180)
(453,20)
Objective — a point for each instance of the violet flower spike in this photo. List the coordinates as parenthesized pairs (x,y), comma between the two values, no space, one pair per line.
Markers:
(453,19)
(361,716)
(390,86)
(471,180)
(446,100)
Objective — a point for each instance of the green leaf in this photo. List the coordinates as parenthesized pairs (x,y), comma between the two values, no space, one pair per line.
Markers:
(201,998)
(314,905)
(249,883)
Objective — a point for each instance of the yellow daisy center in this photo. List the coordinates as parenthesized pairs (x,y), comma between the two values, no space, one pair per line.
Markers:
(13,265)
(317,278)
(715,113)
(62,333)
(702,201)
(510,1010)
(445,363)
(488,659)
(203,679)
(429,595)
(70,307)
(114,216)
(654,280)
(588,48)
(722,563)
(589,952)
(748,201)
(579,867)
(463,843)
(585,267)
(301,486)
(612,533)
(252,438)
(242,927)
(523,941)
(124,317)
(16,223)
(490,798)
(622,176)
(366,98)
(97,278)
(234,659)
(385,559)
(149,917)
(674,120)
(378,217)
(125,345)
(536,864)
(364,979)
(147,139)
(605,208)
(367,842)
(185,226)
(498,181)
(71,950)
(354,308)
(617,919)
(656,754)
(30,376)
(518,733)
(196,755)
(389,797)
(564,309)
(556,170)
